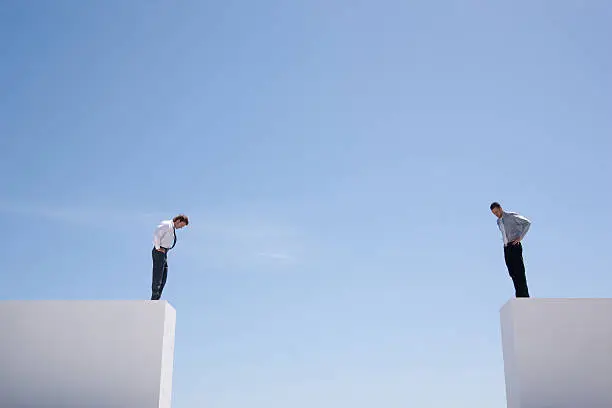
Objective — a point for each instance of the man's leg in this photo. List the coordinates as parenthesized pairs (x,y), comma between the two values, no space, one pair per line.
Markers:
(519,268)
(509,264)
(159,260)
(164,275)
(516,269)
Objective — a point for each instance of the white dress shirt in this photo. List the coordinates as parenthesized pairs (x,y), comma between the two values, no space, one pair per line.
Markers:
(503,232)
(164,235)
(513,226)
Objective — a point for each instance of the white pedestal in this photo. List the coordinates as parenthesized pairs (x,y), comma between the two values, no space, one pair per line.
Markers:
(557,353)
(86,354)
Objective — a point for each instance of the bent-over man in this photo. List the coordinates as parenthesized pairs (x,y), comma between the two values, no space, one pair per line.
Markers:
(513,227)
(164,239)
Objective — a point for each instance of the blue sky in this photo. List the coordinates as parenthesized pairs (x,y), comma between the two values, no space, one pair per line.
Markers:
(337,161)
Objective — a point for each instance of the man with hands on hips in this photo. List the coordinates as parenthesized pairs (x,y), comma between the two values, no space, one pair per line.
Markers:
(513,228)
(164,239)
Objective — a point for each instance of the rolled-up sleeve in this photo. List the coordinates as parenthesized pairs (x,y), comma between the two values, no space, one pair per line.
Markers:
(523,223)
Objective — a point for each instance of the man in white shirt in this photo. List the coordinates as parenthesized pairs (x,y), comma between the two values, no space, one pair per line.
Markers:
(164,239)
(513,228)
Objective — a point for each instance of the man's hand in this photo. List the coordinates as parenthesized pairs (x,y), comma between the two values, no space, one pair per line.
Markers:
(516,241)
(162,250)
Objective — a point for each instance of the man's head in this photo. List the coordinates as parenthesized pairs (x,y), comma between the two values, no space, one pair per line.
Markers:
(497,209)
(180,221)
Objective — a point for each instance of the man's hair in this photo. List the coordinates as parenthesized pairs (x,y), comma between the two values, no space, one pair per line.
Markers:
(181,217)
(495,204)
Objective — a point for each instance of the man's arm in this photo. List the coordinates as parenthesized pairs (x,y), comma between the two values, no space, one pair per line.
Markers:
(160,231)
(524,225)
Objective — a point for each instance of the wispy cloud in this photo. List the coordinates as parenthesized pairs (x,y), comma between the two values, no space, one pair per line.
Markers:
(212,238)
(79,215)
(276,255)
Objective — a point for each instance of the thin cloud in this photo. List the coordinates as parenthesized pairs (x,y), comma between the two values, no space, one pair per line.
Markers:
(224,239)
(275,255)
(82,216)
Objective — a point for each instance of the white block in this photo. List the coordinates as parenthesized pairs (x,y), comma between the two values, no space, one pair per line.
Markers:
(557,352)
(86,354)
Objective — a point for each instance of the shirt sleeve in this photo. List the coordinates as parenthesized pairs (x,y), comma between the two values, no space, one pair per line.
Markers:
(160,231)
(523,224)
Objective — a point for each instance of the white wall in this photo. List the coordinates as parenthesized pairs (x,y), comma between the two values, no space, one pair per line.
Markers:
(85,354)
(557,353)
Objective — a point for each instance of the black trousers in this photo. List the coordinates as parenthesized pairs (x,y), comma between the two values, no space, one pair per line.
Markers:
(160,273)
(513,254)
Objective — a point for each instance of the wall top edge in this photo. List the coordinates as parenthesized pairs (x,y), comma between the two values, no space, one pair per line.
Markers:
(74,301)
(516,301)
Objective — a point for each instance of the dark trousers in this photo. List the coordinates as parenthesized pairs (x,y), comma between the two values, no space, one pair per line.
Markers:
(160,273)
(513,254)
